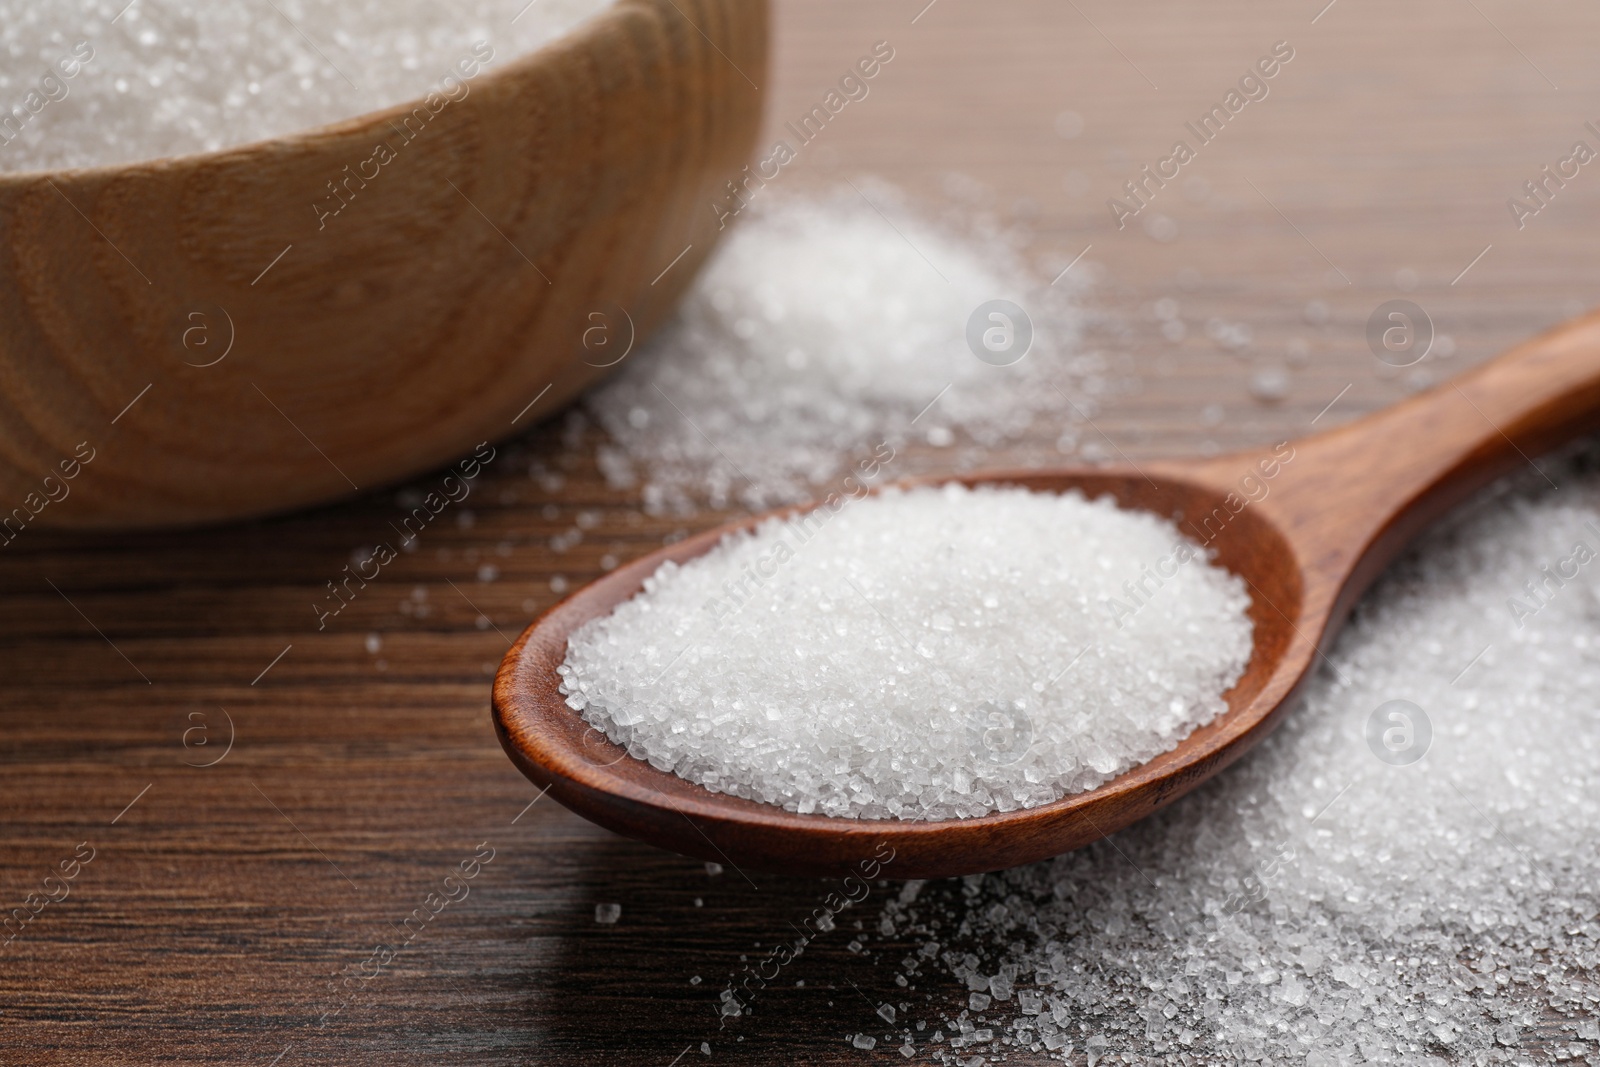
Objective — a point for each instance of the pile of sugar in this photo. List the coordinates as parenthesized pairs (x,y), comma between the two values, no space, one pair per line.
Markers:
(1326,902)
(90,82)
(923,654)
(821,327)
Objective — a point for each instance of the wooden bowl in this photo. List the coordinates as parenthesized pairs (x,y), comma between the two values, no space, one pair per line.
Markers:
(221,348)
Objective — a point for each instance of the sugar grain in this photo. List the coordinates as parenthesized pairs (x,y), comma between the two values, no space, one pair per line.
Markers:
(91,82)
(922,654)
(824,325)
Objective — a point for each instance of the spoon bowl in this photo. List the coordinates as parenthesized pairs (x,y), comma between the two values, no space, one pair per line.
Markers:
(1308,526)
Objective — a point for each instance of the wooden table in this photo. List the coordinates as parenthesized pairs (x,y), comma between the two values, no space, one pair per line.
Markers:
(222,900)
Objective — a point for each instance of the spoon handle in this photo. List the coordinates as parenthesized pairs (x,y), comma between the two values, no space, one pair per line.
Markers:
(1351,498)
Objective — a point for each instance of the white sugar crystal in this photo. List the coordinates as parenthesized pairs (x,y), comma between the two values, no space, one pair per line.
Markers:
(820,328)
(1361,889)
(922,654)
(90,82)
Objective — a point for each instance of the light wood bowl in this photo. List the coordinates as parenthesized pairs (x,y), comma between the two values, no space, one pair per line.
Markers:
(420,321)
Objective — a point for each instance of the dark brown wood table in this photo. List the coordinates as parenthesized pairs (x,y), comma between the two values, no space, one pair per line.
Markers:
(223,900)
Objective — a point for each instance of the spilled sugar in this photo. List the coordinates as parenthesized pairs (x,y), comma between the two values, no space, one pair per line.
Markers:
(1325,901)
(822,327)
(90,82)
(922,654)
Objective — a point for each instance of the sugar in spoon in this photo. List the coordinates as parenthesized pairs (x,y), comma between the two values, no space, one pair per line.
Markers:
(1308,540)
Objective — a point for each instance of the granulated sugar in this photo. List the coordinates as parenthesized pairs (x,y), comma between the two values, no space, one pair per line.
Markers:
(925,654)
(1378,883)
(822,327)
(89,82)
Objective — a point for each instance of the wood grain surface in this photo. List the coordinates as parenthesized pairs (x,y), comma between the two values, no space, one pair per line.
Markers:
(364,769)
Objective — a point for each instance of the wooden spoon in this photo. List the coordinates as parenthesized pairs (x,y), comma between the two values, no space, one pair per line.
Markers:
(1308,528)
